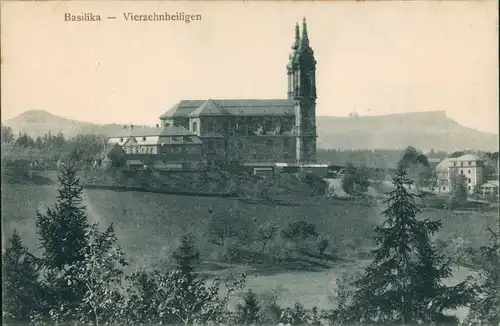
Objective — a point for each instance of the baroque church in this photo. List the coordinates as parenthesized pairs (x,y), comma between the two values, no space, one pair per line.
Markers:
(229,131)
(259,130)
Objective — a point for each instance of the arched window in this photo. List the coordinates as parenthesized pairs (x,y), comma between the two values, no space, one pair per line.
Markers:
(195,126)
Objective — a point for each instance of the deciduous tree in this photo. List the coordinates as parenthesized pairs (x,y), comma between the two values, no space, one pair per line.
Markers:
(267,232)
(355,180)
(458,194)
(485,308)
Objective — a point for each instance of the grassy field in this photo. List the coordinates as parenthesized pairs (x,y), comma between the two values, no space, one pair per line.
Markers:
(149,226)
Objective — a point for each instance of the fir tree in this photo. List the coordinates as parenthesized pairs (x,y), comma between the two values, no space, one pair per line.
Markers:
(62,232)
(403,284)
(248,313)
(186,255)
(62,228)
(21,288)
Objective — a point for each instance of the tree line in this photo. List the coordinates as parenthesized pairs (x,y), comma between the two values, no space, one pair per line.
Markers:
(82,276)
(379,158)
(45,151)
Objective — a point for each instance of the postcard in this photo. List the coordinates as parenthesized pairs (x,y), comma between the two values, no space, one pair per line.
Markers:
(250,162)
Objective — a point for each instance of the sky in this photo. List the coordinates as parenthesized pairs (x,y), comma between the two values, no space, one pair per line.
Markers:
(373,57)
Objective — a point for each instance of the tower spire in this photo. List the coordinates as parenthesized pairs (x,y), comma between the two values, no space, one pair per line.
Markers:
(296,43)
(305,38)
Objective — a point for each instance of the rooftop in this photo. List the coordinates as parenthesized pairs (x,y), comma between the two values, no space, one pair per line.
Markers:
(241,107)
(491,184)
(158,131)
(467,157)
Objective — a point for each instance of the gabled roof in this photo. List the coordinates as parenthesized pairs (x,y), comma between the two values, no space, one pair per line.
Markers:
(130,140)
(208,108)
(251,107)
(109,149)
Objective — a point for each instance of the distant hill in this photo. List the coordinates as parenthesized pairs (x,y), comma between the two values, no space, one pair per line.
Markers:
(422,130)
(39,122)
(425,131)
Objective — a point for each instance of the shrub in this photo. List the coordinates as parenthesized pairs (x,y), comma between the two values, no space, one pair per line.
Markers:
(355,180)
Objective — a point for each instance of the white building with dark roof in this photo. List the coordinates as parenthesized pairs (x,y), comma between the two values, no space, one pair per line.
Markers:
(471,167)
(159,147)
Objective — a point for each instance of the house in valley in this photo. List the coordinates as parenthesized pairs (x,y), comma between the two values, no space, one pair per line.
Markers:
(490,188)
(470,166)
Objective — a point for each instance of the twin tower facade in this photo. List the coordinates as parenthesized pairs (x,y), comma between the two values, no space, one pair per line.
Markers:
(258,130)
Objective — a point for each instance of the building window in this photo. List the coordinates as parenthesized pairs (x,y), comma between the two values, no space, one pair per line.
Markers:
(143,138)
(469,171)
(469,180)
(195,126)
(461,163)
(121,139)
(167,124)
(468,187)
(461,171)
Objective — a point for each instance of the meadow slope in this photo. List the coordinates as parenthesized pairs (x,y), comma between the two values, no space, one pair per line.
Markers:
(149,225)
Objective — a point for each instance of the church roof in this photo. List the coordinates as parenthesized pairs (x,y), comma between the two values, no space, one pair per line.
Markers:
(182,109)
(251,107)
(159,131)
(208,108)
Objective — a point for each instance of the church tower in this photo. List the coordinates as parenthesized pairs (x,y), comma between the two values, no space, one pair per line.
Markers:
(301,72)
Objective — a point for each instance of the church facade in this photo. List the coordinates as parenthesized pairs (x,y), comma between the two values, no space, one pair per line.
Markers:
(258,130)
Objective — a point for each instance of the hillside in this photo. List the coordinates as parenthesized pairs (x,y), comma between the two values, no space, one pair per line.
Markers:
(39,122)
(426,130)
